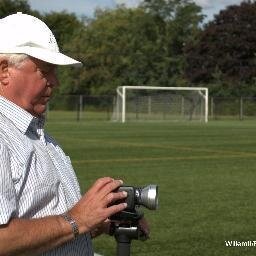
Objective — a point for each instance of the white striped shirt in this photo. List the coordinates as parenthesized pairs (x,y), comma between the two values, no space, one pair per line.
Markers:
(36,177)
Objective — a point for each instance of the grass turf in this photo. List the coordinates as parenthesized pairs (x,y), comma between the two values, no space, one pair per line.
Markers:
(205,172)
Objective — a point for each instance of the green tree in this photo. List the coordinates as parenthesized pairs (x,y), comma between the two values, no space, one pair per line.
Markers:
(136,47)
(179,22)
(121,47)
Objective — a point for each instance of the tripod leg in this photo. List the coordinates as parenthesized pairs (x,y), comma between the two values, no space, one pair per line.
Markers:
(123,249)
(124,236)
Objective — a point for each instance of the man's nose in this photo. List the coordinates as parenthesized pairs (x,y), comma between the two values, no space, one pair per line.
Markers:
(53,81)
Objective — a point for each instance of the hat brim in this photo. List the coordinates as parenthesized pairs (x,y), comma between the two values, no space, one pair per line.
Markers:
(55,58)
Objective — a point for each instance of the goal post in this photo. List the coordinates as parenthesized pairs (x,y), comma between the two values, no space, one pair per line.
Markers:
(160,103)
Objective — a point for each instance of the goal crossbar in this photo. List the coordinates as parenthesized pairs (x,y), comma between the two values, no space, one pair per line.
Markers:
(121,91)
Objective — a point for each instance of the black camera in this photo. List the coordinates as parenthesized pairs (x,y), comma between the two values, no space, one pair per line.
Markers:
(146,196)
(136,196)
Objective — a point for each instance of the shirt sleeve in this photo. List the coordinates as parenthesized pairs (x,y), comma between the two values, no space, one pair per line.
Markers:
(7,189)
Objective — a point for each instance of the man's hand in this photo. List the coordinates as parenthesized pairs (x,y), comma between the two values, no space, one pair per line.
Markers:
(97,204)
(103,228)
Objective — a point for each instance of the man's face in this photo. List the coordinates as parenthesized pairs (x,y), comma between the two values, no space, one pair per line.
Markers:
(30,85)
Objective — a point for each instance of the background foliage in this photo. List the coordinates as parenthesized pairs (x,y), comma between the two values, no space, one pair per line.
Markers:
(224,52)
(159,43)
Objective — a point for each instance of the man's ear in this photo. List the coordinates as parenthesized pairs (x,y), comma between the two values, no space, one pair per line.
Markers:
(4,72)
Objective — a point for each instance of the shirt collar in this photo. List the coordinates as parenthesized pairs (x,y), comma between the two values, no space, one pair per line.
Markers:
(18,116)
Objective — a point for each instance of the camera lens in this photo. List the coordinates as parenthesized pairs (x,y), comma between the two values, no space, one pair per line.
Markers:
(147,196)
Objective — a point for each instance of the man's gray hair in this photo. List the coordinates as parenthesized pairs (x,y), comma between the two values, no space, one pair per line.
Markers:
(14,59)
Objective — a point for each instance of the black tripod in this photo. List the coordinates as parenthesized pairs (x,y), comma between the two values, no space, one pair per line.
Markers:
(124,227)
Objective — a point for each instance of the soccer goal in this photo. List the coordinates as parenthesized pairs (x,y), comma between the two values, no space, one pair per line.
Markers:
(148,103)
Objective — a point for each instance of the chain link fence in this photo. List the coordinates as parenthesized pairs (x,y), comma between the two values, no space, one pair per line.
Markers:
(225,108)
(100,108)
(80,108)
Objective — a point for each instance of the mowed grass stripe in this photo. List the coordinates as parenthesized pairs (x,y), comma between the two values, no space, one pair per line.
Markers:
(174,158)
(228,153)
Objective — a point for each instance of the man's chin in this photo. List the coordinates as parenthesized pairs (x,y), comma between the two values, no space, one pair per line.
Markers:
(39,110)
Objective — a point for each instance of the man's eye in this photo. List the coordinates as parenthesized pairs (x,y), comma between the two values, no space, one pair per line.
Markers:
(46,71)
(43,72)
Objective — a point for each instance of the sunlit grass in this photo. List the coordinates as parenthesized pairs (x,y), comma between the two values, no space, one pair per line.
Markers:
(205,172)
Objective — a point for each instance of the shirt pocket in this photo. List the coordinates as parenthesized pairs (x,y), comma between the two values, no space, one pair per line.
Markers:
(16,170)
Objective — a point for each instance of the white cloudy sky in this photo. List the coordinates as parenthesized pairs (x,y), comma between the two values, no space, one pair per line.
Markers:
(87,7)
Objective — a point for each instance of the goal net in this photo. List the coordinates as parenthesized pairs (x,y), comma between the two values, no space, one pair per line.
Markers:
(148,103)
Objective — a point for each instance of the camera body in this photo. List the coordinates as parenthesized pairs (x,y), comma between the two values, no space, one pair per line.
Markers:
(136,196)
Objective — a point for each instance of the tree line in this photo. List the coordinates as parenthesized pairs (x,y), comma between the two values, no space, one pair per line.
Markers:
(159,43)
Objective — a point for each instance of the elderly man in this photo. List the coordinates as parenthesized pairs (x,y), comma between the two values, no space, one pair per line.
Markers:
(41,209)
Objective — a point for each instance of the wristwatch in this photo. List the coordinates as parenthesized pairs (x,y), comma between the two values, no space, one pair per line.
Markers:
(72,223)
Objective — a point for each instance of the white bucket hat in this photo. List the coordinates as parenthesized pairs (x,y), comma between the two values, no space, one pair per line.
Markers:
(22,33)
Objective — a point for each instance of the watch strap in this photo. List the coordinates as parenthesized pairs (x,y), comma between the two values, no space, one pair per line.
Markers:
(72,223)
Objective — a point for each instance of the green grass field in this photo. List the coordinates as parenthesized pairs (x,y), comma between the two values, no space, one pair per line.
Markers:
(206,175)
